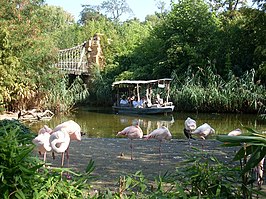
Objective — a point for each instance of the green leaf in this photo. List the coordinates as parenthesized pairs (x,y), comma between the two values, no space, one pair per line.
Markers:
(255,158)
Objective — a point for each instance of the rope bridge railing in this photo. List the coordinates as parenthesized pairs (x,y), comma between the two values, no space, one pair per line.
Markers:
(73,60)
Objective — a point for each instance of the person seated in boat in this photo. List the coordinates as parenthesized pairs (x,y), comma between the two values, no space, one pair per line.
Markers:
(130,100)
(159,100)
(144,103)
(123,101)
(135,104)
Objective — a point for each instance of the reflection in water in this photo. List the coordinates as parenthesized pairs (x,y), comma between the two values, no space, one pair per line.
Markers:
(106,124)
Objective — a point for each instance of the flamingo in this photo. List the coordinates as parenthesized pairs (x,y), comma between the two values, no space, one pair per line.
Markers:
(235,132)
(70,127)
(60,141)
(190,125)
(259,169)
(61,136)
(203,131)
(161,133)
(42,141)
(131,132)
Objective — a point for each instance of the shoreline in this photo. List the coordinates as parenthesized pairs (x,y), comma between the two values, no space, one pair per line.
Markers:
(111,157)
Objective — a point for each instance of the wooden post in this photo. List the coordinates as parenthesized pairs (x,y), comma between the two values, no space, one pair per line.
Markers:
(138,92)
(168,92)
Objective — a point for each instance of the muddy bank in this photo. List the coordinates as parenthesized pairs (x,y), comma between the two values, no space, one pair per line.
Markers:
(112,157)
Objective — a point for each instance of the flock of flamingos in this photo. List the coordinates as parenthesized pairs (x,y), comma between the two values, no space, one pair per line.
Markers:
(58,139)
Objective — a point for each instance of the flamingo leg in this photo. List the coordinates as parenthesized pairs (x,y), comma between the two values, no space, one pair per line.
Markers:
(67,155)
(202,142)
(62,159)
(131,146)
(44,157)
(160,153)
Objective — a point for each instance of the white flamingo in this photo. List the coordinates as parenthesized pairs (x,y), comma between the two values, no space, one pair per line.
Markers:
(61,136)
(131,132)
(60,141)
(190,125)
(42,141)
(203,131)
(160,134)
(235,132)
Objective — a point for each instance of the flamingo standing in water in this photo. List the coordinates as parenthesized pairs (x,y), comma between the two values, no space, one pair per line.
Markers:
(42,141)
(132,132)
(190,125)
(61,136)
(160,134)
(203,131)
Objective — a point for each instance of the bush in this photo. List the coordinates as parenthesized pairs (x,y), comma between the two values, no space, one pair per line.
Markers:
(24,176)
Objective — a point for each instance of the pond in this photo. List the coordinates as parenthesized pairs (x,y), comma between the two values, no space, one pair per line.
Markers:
(103,123)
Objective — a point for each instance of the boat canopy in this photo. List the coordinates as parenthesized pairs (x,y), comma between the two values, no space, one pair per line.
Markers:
(141,81)
(136,87)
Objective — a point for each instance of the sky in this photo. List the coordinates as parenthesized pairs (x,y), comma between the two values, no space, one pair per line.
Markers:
(140,8)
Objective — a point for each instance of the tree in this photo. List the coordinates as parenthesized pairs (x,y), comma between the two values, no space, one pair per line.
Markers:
(226,5)
(260,3)
(115,8)
(89,13)
(188,35)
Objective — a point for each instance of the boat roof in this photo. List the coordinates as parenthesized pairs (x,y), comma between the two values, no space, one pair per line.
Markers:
(140,81)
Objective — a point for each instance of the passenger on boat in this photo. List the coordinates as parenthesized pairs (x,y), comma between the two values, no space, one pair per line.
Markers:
(123,101)
(159,100)
(130,100)
(135,104)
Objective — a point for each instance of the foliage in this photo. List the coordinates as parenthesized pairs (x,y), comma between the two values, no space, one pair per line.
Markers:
(204,176)
(252,151)
(115,8)
(206,91)
(9,65)
(24,176)
(190,35)
(200,176)
(62,97)
(32,53)
(89,13)
(23,134)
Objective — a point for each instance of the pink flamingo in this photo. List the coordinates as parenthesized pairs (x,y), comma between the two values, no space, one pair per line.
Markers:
(203,131)
(190,125)
(132,132)
(70,127)
(42,141)
(161,133)
(61,136)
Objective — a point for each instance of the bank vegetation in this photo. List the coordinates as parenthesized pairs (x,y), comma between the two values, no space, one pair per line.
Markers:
(215,53)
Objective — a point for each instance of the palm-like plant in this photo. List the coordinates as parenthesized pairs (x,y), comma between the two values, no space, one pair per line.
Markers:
(252,152)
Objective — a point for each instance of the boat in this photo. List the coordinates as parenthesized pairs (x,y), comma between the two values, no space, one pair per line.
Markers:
(149,97)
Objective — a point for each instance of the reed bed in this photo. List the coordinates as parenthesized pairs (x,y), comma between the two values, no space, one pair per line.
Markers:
(205,91)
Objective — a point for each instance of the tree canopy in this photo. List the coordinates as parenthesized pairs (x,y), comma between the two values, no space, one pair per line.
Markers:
(226,36)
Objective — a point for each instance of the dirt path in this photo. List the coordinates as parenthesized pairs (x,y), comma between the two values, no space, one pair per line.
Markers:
(110,164)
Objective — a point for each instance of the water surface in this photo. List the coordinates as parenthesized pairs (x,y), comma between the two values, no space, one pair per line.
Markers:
(103,123)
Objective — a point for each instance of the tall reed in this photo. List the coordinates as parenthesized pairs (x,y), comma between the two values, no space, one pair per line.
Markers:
(63,98)
(205,91)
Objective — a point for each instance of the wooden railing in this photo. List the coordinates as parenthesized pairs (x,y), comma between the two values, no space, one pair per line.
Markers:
(73,60)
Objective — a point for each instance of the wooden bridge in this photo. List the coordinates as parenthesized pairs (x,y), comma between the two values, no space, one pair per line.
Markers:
(78,60)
